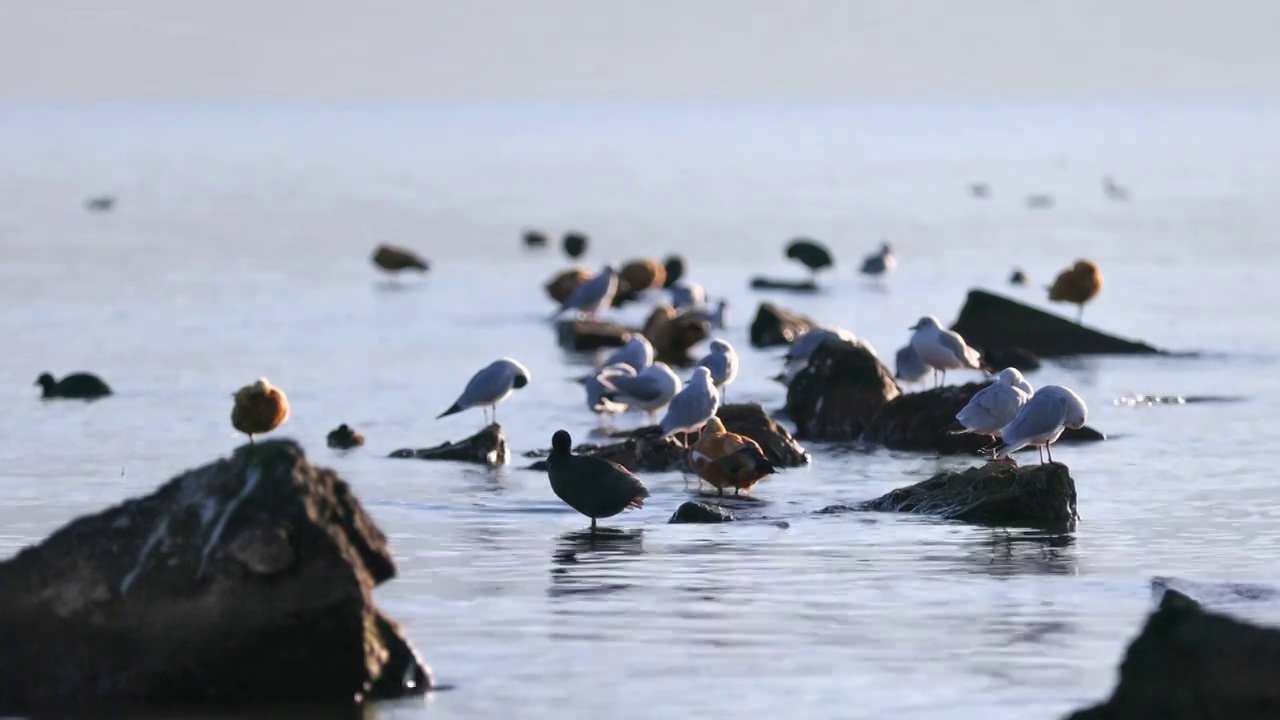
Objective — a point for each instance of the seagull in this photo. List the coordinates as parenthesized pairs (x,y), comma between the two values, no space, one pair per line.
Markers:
(1113,190)
(593,295)
(881,263)
(688,295)
(649,390)
(1042,419)
(593,486)
(693,406)
(722,361)
(491,386)
(995,405)
(908,367)
(637,352)
(597,388)
(942,349)
(803,347)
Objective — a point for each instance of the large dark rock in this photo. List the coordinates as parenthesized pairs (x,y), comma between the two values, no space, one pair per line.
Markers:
(672,333)
(997,325)
(247,581)
(776,325)
(844,387)
(588,335)
(998,493)
(644,451)
(487,447)
(1192,664)
(700,512)
(766,283)
(751,420)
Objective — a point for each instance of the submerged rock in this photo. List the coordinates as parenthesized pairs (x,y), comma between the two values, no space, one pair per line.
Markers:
(994,325)
(644,451)
(673,333)
(765,283)
(245,581)
(775,325)
(998,493)
(487,447)
(751,420)
(700,512)
(844,387)
(1189,664)
(588,335)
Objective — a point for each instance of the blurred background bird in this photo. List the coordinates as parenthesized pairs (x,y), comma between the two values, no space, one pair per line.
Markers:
(259,408)
(1079,284)
(395,259)
(811,254)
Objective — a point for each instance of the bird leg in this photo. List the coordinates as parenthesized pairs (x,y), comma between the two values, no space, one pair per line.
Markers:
(1048,448)
(1080,314)
(250,438)
(1040,449)
(944,377)
(495,414)
(593,526)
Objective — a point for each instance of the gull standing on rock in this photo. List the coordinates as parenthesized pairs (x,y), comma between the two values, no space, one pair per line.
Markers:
(693,406)
(597,388)
(803,347)
(593,486)
(722,361)
(942,349)
(637,352)
(881,263)
(491,386)
(1042,419)
(996,405)
(650,390)
(593,295)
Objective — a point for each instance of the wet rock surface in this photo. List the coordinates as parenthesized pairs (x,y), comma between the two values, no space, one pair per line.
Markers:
(245,581)
(487,447)
(588,335)
(998,493)
(841,391)
(1189,663)
(997,325)
(751,420)
(700,512)
(775,325)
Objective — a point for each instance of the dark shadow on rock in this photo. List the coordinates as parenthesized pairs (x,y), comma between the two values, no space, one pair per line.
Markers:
(645,451)
(1191,664)
(998,493)
(751,420)
(801,286)
(588,335)
(700,512)
(487,447)
(774,325)
(843,388)
(247,581)
(998,325)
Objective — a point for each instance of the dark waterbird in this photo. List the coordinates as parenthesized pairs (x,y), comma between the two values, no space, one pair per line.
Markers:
(811,253)
(674,265)
(574,243)
(77,386)
(535,239)
(100,203)
(344,438)
(393,259)
(594,487)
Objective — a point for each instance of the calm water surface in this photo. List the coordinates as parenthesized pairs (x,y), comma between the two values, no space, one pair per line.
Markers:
(240,248)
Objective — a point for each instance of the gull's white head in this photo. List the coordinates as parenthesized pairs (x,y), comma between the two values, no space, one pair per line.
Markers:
(928,321)
(1010,377)
(701,375)
(721,347)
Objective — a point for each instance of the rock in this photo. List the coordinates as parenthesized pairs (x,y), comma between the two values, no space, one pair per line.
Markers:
(844,387)
(644,451)
(775,325)
(674,265)
(487,447)
(344,438)
(998,359)
(995,324)
(998,493)
(245,581)
(764,283)
(562,285)
(700,512)
(751,420)
(673,333)
(1190,664)
(588,335)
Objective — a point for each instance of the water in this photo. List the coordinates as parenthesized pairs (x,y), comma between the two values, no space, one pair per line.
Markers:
(240,247)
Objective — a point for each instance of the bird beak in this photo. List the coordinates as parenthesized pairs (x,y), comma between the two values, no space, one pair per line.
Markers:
(914,327)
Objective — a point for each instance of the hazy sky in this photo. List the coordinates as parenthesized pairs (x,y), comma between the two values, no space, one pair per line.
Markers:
(637,49)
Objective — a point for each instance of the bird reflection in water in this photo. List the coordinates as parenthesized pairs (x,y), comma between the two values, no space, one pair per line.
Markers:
(1027,552)
(587,563)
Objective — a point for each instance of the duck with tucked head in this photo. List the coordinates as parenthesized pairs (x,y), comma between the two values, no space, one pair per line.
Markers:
(259,408)
(729,460)
(593,486)
(1078,284)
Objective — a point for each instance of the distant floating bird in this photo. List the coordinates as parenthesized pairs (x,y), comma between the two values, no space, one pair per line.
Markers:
(535,239)
(493,384)
(1041,421)
(1113,191)
(693,406)
(259,408)
(674,265)
(394,259)
(597,387)
(637,353)
(593,486)
(76,386)
(1018,277)
(1079,284)
(650,390)
(344,438)
(979,190)
(728,460)
(1039,201)
(722,362)
(908,367)
(564,283)
(594,295)
(995,405)
(687,295)
(942,349)
(811,254)
(574,243)
(880,263)
(100,203)
(642,275)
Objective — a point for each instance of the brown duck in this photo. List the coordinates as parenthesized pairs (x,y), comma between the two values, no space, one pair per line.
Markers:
(729,460)
(260,408)
(593,486)
(344,438)
(1078,284)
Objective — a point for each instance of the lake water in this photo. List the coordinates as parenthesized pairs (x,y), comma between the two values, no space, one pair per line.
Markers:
(240,247)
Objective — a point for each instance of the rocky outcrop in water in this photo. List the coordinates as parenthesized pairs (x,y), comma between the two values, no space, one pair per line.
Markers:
(487,447)
(247,581)
(997,325)
(998,493)
(775,325)
(751,420)
(700,512)
(1191,664)
(841,391)
(589,335)
(673,333)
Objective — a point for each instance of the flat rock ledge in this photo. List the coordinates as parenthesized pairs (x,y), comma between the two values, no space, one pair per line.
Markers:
(997,494)
(1002,328)
(487,447)
(1189,663)
(775,325)
(246,582)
